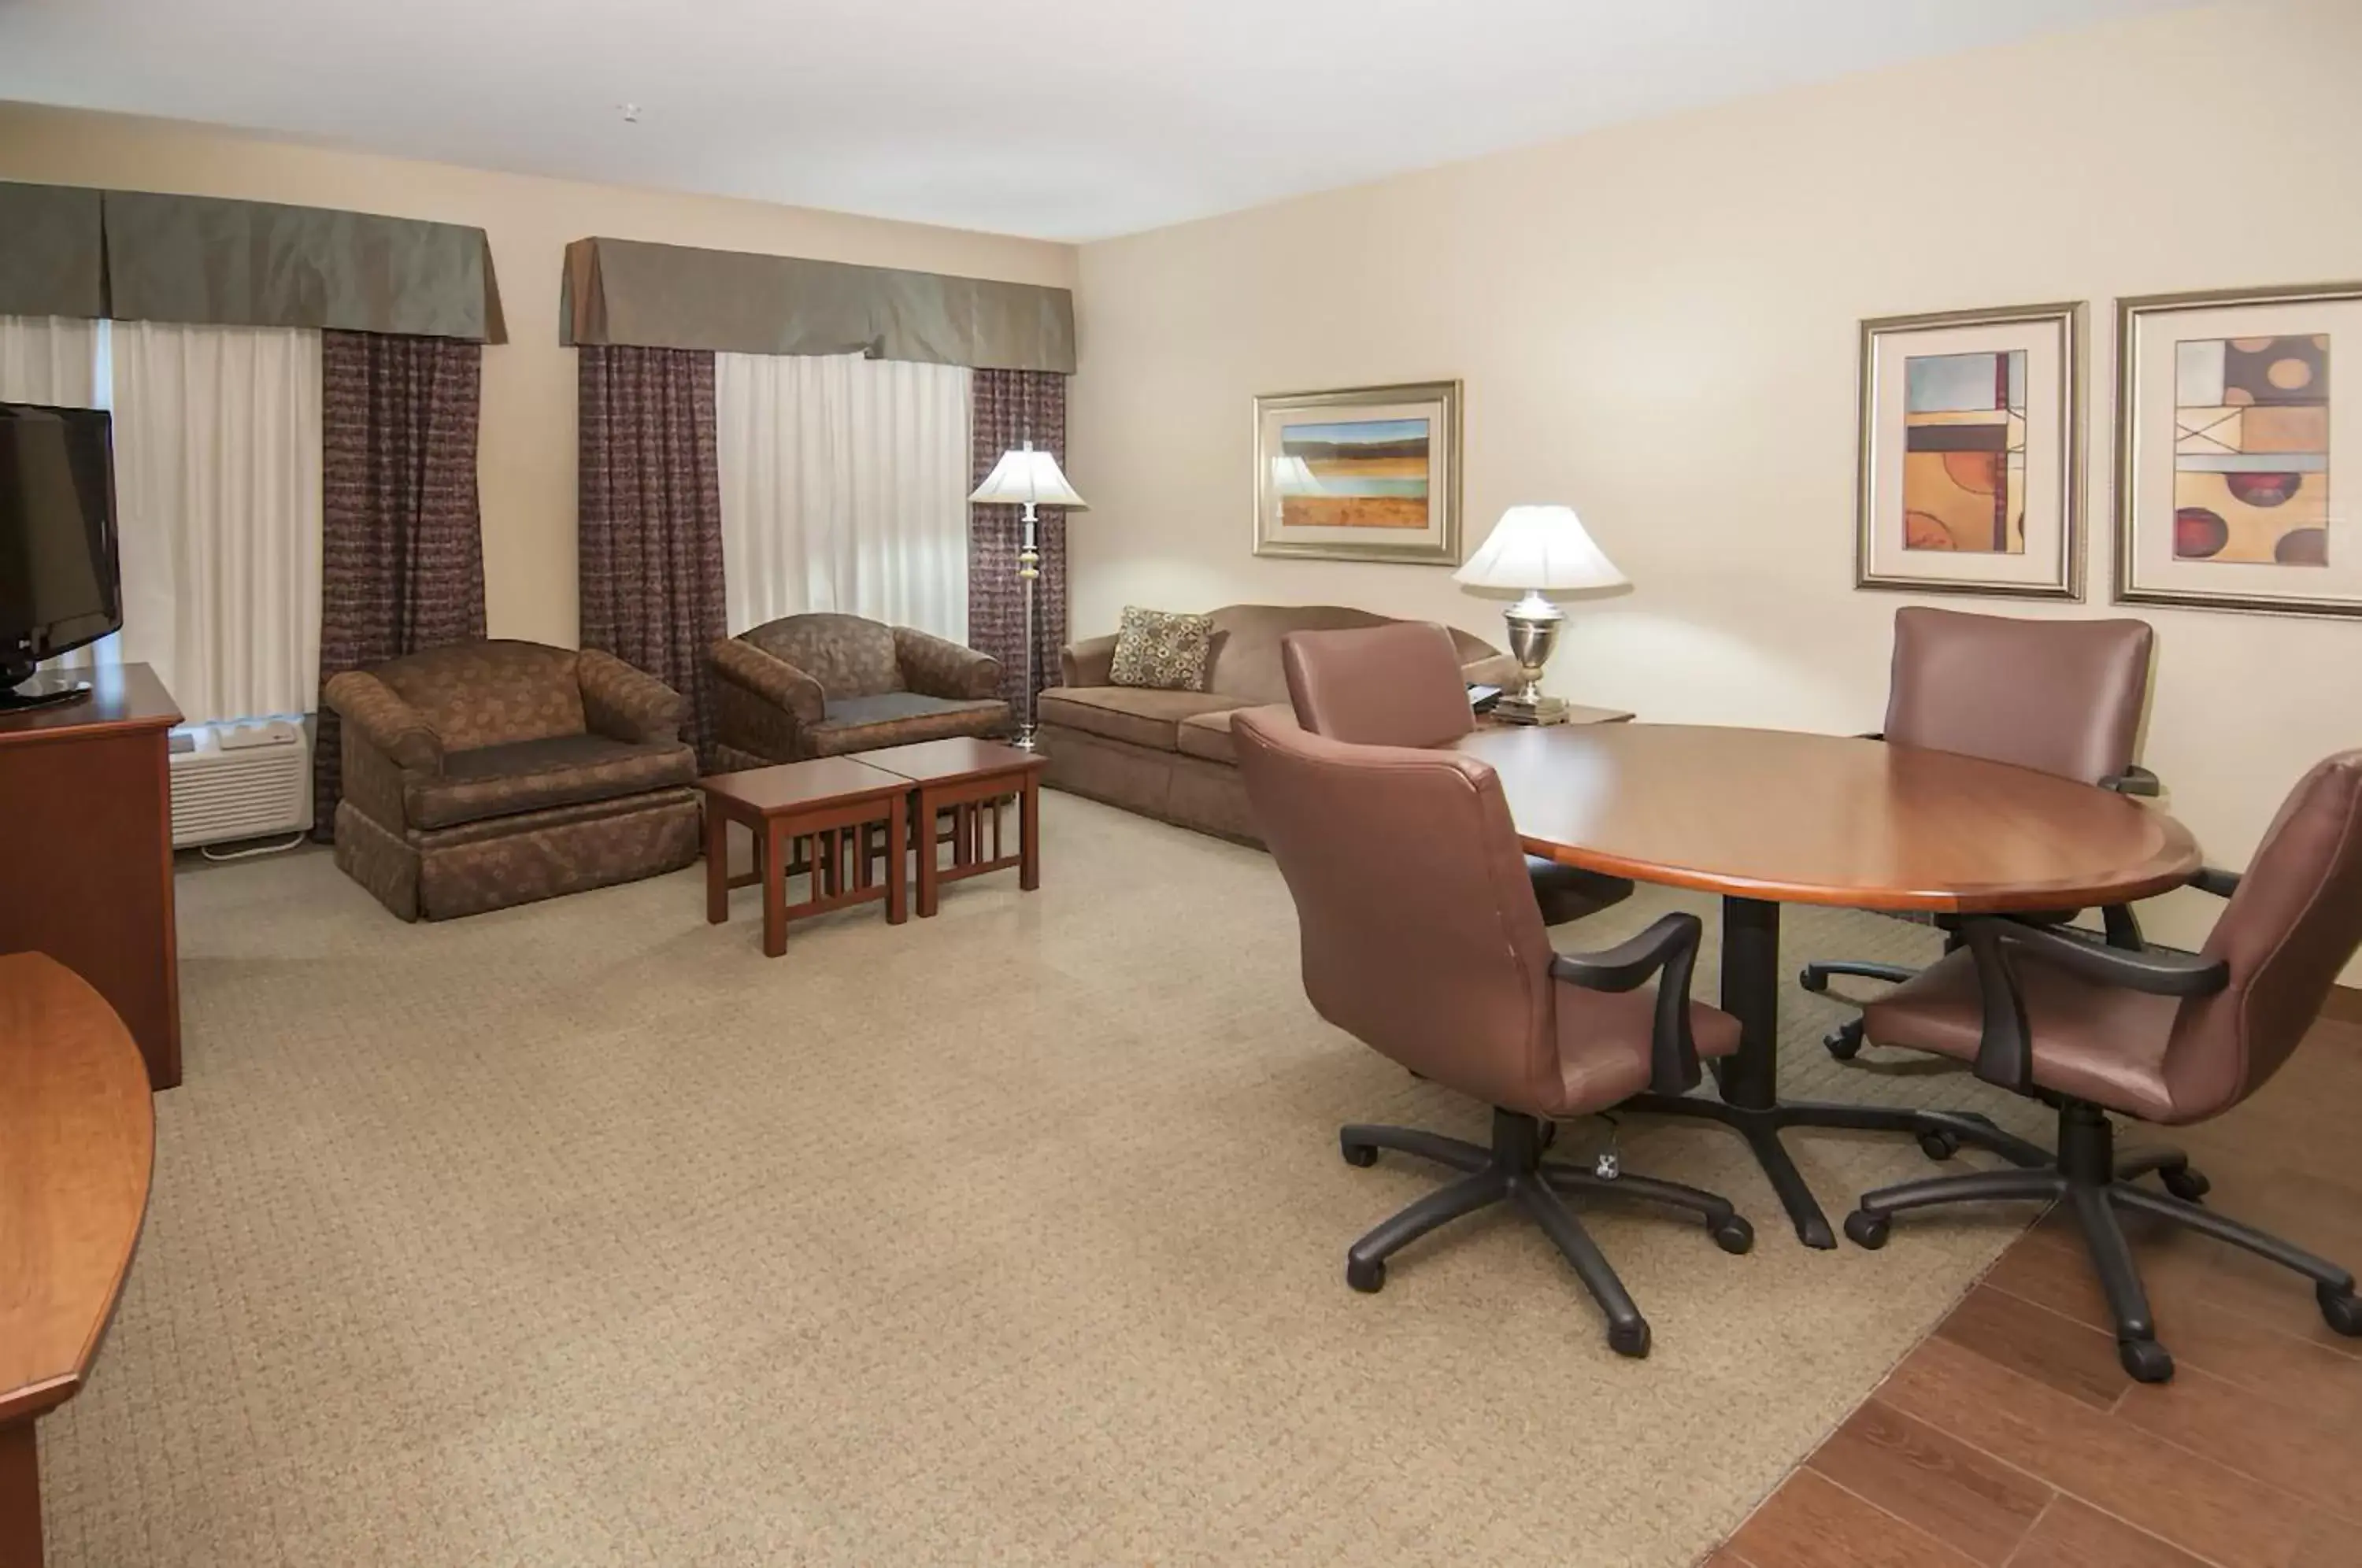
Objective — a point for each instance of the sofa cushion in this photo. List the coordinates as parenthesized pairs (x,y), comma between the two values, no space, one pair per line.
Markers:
(1245,663)
(532,776)
(1134,713)
(1161,649)
(900,718)
(1208,735)
(490,693)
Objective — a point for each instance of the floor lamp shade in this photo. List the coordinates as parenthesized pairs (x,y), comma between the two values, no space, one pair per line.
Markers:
(1026,477)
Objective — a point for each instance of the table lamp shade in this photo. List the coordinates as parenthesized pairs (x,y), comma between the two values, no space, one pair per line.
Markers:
(1025,477)
(1543,548)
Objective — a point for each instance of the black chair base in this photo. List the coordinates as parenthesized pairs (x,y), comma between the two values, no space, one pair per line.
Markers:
(1844,1042)
(1513,1171)
(2096,1186)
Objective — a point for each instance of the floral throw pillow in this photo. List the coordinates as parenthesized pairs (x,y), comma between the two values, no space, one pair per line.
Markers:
(1158,649)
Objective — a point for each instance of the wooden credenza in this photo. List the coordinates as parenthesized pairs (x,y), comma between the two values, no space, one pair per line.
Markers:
(86,850)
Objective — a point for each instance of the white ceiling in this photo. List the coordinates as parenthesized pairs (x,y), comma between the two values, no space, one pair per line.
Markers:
(1066,119)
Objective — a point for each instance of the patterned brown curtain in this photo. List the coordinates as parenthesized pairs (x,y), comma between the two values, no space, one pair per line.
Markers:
(1011,408)
(402,557)
(650,497)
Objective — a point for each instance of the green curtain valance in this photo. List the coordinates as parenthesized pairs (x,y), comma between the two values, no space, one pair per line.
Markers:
(674,296)
(138,257)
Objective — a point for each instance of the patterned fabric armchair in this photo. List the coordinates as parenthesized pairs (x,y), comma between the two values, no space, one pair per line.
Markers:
(822,685)
(489,774)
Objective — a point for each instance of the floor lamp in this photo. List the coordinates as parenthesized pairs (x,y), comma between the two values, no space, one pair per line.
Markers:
(1026,477)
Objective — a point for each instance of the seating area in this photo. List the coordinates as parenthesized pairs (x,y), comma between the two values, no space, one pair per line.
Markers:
(1409,787)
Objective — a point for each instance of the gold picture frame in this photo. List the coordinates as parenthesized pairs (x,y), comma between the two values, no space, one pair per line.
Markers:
(2228,432)
(1360,474)
(1968,475)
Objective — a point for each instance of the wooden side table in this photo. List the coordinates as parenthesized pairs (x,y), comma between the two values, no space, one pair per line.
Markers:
(965,777)
(832,801)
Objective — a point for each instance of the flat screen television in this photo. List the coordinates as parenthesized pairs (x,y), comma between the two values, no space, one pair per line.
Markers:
(61,585)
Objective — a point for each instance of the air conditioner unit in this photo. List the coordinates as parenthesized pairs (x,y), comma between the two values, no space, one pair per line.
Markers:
(242,778)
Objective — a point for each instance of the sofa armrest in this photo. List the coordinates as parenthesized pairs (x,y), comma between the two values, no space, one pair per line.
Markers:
(1090,662)
(937,666)
(775,681)
(627,704)
(369,706)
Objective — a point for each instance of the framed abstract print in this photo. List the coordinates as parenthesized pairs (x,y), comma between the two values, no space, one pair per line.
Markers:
(1365,474)
(1972,460)
(2238,450)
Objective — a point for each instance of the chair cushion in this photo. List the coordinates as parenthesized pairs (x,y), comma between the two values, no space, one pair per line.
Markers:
(1604,1039)
(900,718)
(490,693)
(1133,713)
(2101,1044)
(1208,735)
(532,776)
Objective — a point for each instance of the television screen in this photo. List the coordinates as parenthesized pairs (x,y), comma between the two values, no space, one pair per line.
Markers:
(60,586)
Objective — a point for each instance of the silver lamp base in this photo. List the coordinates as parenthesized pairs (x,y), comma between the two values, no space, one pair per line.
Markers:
(1533,634)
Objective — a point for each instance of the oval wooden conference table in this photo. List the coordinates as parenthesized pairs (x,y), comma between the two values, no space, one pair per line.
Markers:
(1768,817)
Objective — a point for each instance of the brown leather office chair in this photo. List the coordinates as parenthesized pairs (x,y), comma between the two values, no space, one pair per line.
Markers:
(1434,954)
(1400,684)
(2156,1036)
(2061,697)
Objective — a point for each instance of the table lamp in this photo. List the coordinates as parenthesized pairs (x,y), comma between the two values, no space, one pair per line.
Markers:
(1026,477)
(1537,551)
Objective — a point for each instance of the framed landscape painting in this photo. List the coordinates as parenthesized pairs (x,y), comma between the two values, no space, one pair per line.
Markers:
(1366,474)
(2238,453)
(1971,463)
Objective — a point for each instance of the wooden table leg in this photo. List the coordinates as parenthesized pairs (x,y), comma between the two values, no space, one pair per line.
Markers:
(775,887)
(1028,835)
(717,864)
(20,1496)
(928,849)
(898,901)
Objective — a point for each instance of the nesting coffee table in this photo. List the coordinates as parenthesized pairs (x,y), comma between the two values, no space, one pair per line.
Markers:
(833,802)
(970,779)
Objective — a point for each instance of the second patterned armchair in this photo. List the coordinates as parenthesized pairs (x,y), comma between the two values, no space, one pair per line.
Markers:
(822,685)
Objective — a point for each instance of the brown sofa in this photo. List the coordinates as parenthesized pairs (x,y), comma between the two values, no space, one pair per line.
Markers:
(1168,754)
(490,774)
(822,685)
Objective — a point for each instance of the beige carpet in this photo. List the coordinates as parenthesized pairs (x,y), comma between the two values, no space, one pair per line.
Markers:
(582,1234)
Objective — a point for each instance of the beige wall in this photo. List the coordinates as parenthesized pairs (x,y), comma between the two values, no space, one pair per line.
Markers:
(1657,324)
(527,453)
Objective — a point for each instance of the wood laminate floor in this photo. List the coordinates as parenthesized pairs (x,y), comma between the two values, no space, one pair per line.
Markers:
(2011,1438)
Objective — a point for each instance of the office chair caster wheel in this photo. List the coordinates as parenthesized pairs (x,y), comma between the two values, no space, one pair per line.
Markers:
(2186,1183)
(1733,1235)
(1629,1339)
(2339,1309)
(2146,1361)
(1844,1042)
(1813,977)
(1939,1144)
(1864,1228)
(1369,1278)
(1362,1155)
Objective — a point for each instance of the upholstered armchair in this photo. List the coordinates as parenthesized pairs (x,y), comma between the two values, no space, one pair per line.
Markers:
(489,774)
(822,685)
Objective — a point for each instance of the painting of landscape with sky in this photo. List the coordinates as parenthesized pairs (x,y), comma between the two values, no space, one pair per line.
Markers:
(1356,473)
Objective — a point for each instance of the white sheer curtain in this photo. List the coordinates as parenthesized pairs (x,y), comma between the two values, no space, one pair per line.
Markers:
(217,489)
(844,487)
(50,359)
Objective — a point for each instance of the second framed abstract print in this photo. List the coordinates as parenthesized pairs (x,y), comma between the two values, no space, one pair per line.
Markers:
(1971,460)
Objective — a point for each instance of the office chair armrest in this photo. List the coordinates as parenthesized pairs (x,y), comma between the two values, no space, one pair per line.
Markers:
(2004,1053)
(1667,949)
(2134,781)
(2221,884)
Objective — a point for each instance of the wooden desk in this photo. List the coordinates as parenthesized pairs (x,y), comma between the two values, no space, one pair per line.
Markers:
(86,850)
(1767,816)
(77,1140)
